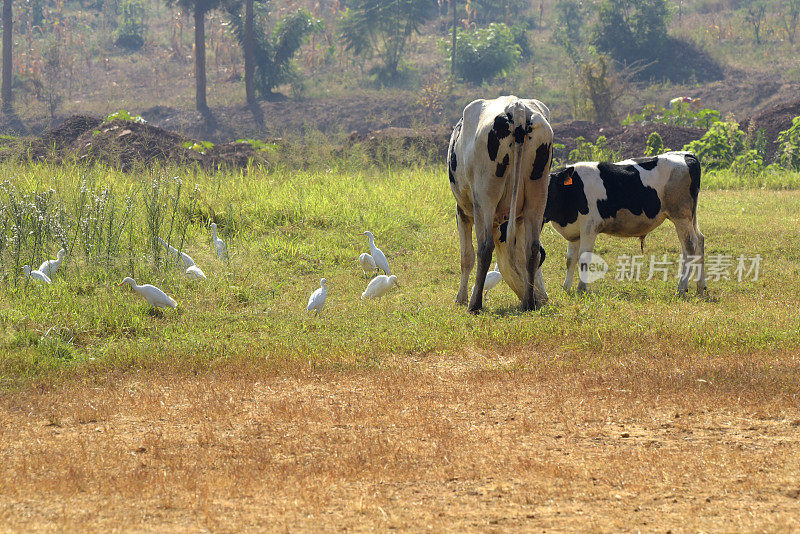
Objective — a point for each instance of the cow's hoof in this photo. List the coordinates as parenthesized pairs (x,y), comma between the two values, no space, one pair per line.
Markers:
(461,301)
(474,310)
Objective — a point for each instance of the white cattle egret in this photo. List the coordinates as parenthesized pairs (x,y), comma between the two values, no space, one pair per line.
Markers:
(317,299)
(379,286)
(154,296)
(377,255)
(193,272)
(492,279)
(50,267)
(187,260)
(219,244)
(367,264)
(38,276)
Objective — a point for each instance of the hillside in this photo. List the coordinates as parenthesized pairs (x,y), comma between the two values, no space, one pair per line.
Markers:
(334,92)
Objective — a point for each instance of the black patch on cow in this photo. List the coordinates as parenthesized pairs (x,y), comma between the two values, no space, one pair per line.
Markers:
(503,230)
(694,172)
(519,134)
(453,164)
(542,255)
(625,190)
(500,130)
(647,164)
(501,167)
(564,202)
(543,155)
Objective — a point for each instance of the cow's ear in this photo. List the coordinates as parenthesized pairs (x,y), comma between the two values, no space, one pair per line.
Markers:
(568,176)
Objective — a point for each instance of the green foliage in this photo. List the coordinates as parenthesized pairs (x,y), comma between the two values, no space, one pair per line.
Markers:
(789,141)
(655,145)
(631,30)
(484,53)
(570,17)
(198,146)
(597,151)
(680,115)
(124,115)
(720,145)
(274,50)
(506,11)
(130,25)
(259,145)
(382,28)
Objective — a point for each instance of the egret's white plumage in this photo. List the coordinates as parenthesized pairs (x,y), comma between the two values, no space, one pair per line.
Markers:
(187,260)
(317,299)
(154,296)
(50,267)
(377,254)
(219,245)
(37,276)
(379,286)
(492,279)
(193,272)
(367,263)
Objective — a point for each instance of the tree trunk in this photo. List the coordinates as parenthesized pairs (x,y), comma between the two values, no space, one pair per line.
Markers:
(453,51)
(200,59)
(249,59)
(8,75)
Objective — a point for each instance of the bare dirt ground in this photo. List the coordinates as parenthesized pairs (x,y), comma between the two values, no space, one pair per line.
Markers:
(484,441)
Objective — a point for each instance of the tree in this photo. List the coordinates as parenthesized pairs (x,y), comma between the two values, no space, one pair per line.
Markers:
(755,15)
(383,27)
(199,8)
(272,51)
(8,76)
(789,17)
(570,15)
(248,44)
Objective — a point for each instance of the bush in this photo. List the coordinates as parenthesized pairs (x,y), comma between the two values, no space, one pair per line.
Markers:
(634,32)
(597,151)
(720,145)
(130,25)
(655,145)
(680,115)
(484,53)
(789,151)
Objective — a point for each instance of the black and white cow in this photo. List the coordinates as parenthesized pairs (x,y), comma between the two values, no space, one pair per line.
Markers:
(627,199)
(498,163)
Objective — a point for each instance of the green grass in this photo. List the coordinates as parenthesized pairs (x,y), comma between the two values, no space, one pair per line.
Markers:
(287,229)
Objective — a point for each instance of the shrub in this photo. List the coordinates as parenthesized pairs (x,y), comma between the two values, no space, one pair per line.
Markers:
(789,151)
(597,151)
(130,25)
(484,53)
(655,145)
(679,115)
(720,145)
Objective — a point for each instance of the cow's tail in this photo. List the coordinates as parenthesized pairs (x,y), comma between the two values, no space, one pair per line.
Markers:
(520,134)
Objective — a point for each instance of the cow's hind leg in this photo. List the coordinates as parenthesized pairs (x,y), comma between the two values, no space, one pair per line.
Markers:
(693,245)
(483,233)
(700,250)
(533,298)
(467,254)
(572,262)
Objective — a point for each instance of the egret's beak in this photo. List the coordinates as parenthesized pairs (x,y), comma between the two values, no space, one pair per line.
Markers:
(121,284)
(362,233)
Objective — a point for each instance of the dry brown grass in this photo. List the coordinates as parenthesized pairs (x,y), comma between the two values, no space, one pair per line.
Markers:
(489,441)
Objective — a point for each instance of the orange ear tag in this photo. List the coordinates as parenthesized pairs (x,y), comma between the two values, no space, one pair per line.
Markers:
(568,180)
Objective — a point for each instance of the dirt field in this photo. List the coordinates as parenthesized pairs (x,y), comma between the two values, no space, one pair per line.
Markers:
(478,442)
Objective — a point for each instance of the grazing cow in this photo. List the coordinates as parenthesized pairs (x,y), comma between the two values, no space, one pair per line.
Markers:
(498,163)
(627,199)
